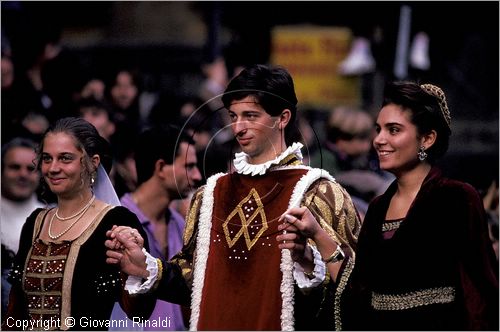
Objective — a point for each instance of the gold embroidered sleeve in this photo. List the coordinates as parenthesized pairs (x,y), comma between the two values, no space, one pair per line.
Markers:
(332,206)
(184,259)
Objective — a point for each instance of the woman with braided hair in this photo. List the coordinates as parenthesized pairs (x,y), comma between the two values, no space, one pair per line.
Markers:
(424,260)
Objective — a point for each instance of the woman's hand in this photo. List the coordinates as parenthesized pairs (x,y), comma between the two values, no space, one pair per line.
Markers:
(126,233)
(125,248)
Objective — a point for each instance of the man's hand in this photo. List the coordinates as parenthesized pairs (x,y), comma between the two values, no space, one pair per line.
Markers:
(125,248)
(298,224)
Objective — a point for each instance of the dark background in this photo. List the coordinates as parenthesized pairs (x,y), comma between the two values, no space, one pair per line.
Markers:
(168,42)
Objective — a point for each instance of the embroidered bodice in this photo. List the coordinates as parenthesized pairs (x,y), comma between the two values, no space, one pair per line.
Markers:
(44,279)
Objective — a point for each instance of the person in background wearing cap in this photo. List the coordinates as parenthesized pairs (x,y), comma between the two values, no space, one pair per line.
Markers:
(424,260)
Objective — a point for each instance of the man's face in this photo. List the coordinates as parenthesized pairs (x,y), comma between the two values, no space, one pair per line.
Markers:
(183,174)
(19,177)
(257,132)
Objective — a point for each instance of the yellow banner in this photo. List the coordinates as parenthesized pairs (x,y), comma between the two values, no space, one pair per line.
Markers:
(312,55)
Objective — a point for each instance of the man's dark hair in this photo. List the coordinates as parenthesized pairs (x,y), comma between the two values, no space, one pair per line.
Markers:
(158,142)
(271,86)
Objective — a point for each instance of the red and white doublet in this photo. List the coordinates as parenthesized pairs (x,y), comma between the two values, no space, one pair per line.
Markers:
(237,276)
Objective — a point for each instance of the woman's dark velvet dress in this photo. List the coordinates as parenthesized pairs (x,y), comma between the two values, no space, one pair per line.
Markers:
(89,285)
(437,271)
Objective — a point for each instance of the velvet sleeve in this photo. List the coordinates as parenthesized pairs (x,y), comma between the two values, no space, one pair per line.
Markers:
(477,262)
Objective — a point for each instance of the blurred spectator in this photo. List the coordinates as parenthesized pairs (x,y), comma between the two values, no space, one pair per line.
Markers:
(46,76)
(7,72)
(19,184)
(348,140)
(35,123)
(17,119)
(98,114)
(94,88)
(345,154)
(123,174)
(173,109)
(20,181)
(11,115)
(167,172)
(213,155)
(210,92)
(215,81)
(123,94)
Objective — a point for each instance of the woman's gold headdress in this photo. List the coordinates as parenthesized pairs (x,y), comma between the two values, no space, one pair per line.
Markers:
(439,94)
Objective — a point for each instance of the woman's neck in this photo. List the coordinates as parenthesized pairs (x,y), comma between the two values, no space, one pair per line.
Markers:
(69,205)
(409,183)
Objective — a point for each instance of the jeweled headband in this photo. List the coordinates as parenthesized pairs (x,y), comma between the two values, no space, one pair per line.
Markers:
(439,94)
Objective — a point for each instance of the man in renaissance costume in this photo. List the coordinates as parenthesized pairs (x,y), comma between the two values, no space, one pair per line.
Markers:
(231,271)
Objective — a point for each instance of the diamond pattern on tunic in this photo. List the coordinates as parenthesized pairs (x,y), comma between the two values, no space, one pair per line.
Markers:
(248,219)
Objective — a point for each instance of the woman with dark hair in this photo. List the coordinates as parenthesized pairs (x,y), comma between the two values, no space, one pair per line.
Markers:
(424,259)
(60,279)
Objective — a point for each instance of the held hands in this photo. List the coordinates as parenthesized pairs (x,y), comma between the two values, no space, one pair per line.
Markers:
(125,248)
(126,233)
(298,224)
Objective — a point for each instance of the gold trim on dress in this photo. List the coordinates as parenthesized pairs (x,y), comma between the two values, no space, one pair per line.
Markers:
(413,299)
(342,283)
(71,262)
(390,226)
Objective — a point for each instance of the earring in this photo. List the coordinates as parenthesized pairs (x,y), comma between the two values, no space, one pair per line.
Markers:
(92,180)
(422,155)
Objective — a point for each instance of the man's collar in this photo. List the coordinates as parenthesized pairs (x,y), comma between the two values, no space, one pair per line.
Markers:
(243,167)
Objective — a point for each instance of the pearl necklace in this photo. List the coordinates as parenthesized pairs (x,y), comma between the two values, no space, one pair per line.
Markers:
(76,214)
(55,237)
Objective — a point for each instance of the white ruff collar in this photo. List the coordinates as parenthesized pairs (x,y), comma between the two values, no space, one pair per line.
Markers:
(243,167)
